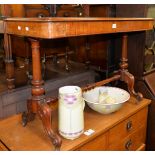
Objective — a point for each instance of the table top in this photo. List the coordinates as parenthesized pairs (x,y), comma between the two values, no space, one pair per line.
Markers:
(63,19)
(33,137)
(58,27)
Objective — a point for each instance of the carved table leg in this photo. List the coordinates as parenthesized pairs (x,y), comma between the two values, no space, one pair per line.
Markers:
(37,84)
(38,104)
(30,115)
(129,79)
(9,62)
(45,114)
(125,75)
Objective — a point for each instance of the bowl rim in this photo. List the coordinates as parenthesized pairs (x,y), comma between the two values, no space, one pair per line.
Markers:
(96,103)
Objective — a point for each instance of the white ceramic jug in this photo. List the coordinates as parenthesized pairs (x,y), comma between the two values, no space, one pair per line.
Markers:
(71,115)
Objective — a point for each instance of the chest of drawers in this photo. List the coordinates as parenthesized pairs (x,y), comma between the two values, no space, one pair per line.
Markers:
(122,130)
(126,135)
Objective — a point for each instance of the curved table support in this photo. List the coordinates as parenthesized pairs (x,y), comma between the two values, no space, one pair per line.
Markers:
(125,75)
(45,114)
(38,104)
(129,79)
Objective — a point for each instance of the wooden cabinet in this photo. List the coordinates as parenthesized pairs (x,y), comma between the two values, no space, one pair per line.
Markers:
(122,130)
(127,135)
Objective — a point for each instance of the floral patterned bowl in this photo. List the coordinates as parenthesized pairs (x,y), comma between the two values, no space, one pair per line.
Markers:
(118,95)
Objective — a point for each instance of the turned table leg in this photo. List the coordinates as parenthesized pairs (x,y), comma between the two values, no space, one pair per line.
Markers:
(125,75)
(9,62)
(38,103)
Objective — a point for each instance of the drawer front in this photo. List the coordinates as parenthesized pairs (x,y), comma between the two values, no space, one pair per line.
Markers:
(128,126)
(133,142)
(97,144)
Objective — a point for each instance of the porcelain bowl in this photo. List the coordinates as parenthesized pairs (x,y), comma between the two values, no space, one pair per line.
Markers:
(119,95)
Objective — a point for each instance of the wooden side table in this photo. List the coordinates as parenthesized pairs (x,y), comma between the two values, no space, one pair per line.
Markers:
(50,28)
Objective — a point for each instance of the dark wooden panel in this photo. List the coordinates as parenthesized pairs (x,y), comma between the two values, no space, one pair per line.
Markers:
(35,10)
(99,10)
(131,10)
(136,46)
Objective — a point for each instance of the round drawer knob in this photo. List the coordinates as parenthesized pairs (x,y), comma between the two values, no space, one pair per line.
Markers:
(129,125)
(128,144)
